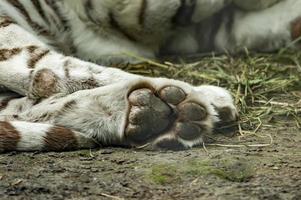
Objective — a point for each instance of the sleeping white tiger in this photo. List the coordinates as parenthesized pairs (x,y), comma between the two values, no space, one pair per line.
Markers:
(53,101)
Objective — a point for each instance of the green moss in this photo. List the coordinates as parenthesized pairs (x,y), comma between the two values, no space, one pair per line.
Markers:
(164,174)
(232,170)
(84,153)
(235,170)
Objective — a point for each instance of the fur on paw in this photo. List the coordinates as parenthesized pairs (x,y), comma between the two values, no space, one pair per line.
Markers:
(170,117)
(223,104)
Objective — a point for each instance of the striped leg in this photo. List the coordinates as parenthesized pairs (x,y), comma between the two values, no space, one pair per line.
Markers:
(25,136)
(161,112)
(28,66)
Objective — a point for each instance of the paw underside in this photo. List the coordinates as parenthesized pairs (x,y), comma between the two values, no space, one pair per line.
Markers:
(166,119)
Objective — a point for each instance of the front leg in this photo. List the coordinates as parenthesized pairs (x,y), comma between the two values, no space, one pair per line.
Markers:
(154,112)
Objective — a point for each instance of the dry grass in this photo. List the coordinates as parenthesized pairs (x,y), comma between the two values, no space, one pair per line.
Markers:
(266,87)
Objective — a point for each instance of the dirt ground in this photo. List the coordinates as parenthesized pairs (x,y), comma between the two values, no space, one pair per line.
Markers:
(271,172)
(264,163)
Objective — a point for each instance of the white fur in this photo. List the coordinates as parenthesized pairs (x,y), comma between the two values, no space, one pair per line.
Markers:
(265,30)
(255,5)
(32,135)
(206,8)
(219,97)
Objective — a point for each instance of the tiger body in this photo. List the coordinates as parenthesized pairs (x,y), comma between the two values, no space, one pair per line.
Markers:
(103,31)
(52,100)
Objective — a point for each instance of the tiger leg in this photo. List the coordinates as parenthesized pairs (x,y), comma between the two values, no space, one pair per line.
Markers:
(26,136)
(163,113)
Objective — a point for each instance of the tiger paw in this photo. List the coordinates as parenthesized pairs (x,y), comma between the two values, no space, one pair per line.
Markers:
(171,117)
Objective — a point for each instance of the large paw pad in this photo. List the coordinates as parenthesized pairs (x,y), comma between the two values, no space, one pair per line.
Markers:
(148,116)
(164,118)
